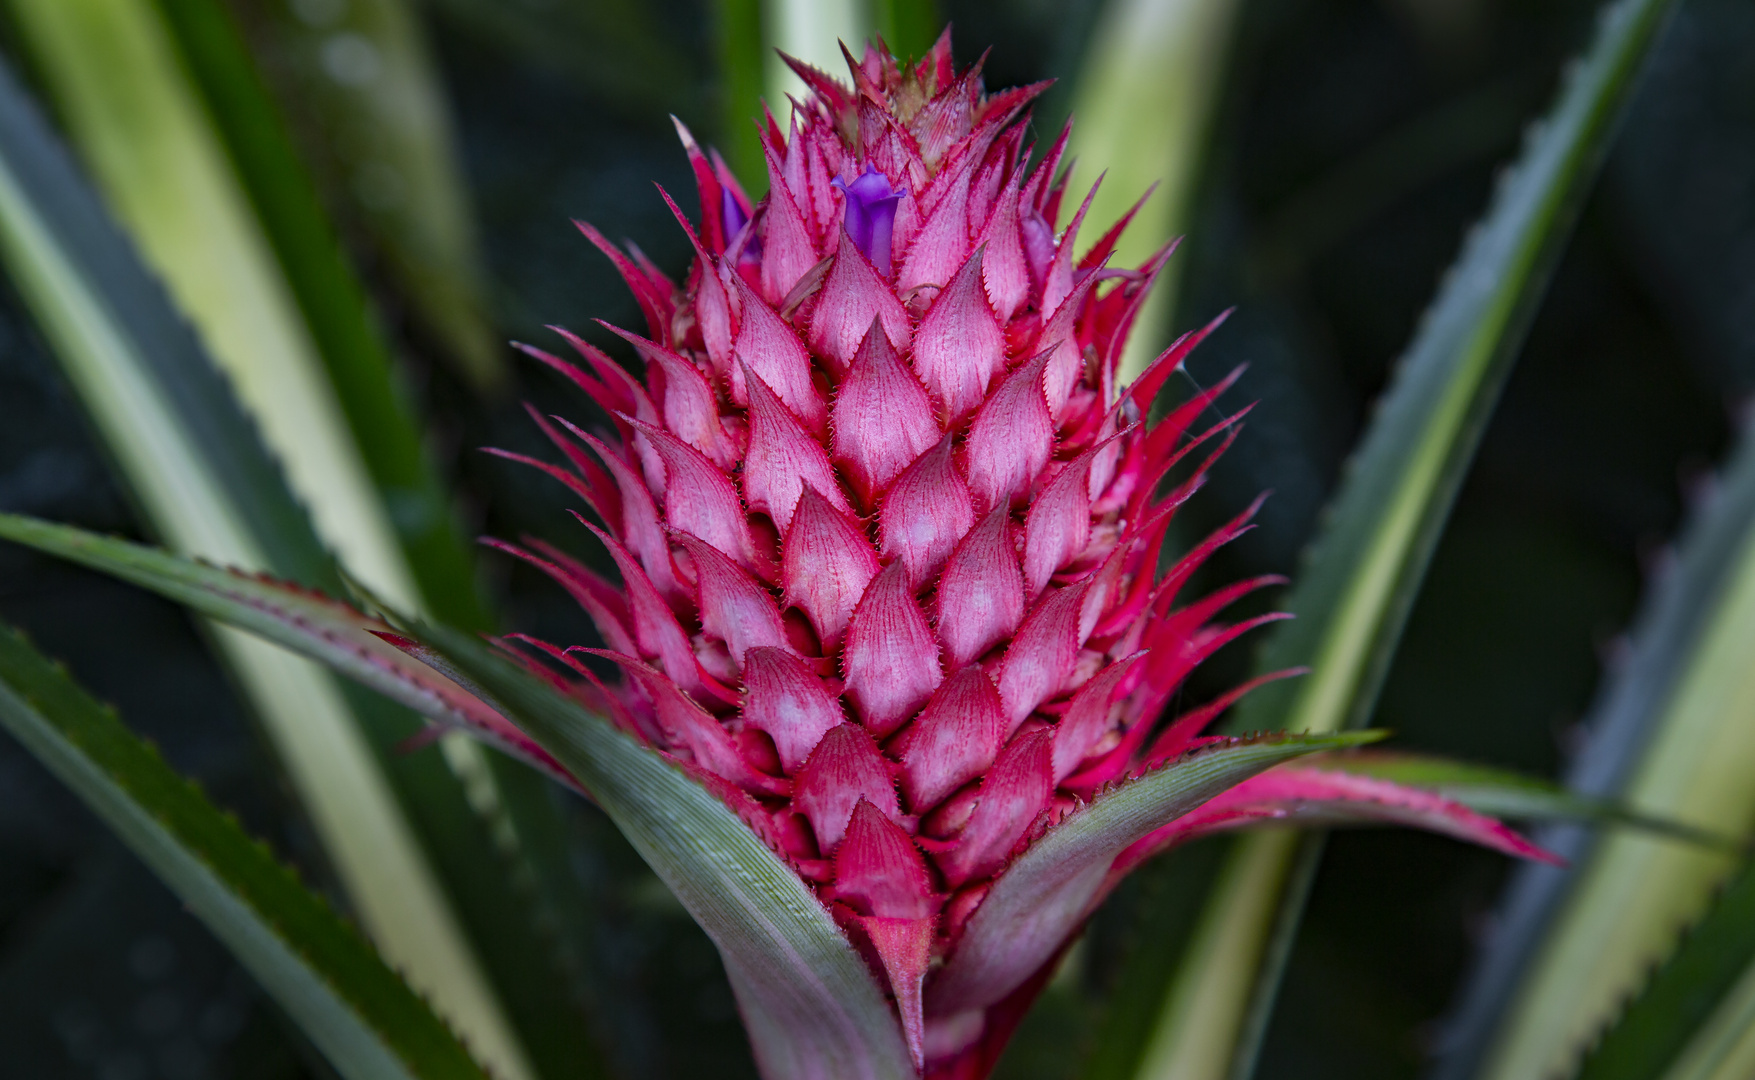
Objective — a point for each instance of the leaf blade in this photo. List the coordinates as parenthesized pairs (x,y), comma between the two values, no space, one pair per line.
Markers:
(359,1012)
(1048,891)
(753,905)
(1669,1017)
(1361,576)
(1671,736)
(207,484)
(815,1009)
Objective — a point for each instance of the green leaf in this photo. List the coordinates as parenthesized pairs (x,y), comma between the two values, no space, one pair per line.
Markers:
(1054,886)
(363,76)
(809,1002)
(742,54)
(812,31)
(194,462)
(1505,793)
(803,989)
(356,1010)
(335,308)
(1672,738)
(300,619)
(1673,1017)
(1165,60)
(1360,578)
(908,27)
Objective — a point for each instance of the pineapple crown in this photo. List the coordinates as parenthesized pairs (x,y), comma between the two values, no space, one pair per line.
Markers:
(888,529)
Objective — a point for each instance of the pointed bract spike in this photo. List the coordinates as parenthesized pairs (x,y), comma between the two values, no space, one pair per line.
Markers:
(942,244)
(656,630)
(608,613)
(573,482)
(609,398)
(654,304)
(689,410)
(852,297)
(1151,380)
(1042,654)
(825,567)
(1013,795)
(1185,729)
(1058,289)
(960,347)
(954,741)
(783,459)
(1036,189)
(699,499)
(1004,271)
(1183,568)
(891,657)
(713,311)
(708,188)
(626,393)
(1011,438)
(712,305)
(926,514)
(734,606)
(692,727)
(937,63)
(1105,245)
(833,90)
(904,947)
(981,593)
(605,499)
(844,769)
(883,418)
(1169,665)
(1058,526)
(784,698)
(787,248)
(639,525)
(1087,718)
(878,869)
(1066,360)
(773,351)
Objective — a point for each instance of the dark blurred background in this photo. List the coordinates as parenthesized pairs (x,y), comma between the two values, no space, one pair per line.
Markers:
(1356,141)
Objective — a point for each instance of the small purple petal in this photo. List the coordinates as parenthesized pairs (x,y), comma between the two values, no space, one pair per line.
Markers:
(871,214)
(731,214)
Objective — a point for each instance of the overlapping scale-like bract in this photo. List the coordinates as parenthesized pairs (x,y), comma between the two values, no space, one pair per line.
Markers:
(888,528)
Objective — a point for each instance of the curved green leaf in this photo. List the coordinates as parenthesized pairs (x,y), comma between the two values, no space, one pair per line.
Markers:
(1505,793)
(812,1007)
(1052,887)
(305,621)
(356,1010)
(1673,1017)
(1360,578)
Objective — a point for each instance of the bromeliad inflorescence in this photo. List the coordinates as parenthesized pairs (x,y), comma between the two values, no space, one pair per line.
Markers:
(889,532)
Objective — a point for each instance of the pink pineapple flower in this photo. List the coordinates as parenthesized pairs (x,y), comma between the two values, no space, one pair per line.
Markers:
(888,533)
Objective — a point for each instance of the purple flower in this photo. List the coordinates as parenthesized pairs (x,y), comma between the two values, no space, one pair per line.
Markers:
(871,214)
(731,214)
